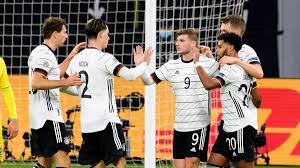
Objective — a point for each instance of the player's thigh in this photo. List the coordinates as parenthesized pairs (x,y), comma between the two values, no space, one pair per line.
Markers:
(197,144)
(179,163)
(101,164)
(45,161)
(192,162)
(217,159)
(61,159)
(121,163)
(245,164)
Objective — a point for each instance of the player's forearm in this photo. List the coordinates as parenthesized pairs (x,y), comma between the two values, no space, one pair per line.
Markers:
(208,82)
(256,97)
(71,90)
(10,102)
(64,65)
(45,84)
(132,73)
(254,70)
(146,78)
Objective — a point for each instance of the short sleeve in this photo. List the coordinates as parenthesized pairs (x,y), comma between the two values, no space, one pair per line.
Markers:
(248,55)
(112,65)
(162,72)
(210,65)
(44,62)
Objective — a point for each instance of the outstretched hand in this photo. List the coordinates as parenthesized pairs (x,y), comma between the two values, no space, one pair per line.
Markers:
(205,50)
(140,56)
(148,55)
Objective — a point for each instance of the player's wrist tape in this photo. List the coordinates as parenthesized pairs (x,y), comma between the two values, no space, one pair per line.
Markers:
(197,64)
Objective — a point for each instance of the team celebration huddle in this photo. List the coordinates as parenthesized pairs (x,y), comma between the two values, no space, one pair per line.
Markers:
(88,72)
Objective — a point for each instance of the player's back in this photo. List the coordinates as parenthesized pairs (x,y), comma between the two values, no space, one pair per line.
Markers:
(97,98)
(235,95)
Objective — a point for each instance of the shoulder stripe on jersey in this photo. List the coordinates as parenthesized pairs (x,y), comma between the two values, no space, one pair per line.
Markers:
(41,71)
(48,101)
(117,69)
(155,78)
(109,87)
(237,106)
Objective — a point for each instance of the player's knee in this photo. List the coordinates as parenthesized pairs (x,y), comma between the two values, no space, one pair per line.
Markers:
(192,162)
(38,165)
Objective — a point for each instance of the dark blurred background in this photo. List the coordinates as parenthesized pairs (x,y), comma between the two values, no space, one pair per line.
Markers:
(271,30)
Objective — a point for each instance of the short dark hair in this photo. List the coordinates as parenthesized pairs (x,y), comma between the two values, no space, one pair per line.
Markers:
(52,24)
(232,39)
(191,32)
(93,27)
(236,22)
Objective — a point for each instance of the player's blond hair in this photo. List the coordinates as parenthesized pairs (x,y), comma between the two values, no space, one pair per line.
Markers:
(236,22)
(192,33)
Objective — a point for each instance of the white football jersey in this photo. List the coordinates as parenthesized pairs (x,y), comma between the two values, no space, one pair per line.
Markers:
(248,54)
(98,103)
(44,104)
(235,94)
(192,100)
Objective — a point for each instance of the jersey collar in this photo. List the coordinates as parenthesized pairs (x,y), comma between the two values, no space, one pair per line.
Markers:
(49,48)
(186,61)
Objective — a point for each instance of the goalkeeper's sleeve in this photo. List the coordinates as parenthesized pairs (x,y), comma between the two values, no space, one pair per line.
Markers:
(10,102)
(9,98)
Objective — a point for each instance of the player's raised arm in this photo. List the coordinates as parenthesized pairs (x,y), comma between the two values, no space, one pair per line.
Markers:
(141,60)
(64,65)
(256,96)
(254,70)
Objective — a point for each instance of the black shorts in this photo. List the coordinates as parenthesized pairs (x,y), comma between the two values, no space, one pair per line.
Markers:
(107,145)
(47,140)
(236,146)
(191,144)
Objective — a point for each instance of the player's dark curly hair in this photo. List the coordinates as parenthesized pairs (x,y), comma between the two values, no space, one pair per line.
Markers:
(232,39)
(93,27)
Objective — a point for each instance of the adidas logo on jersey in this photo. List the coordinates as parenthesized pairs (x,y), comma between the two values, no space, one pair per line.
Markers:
(234,154)
(177,72)
(193,149)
